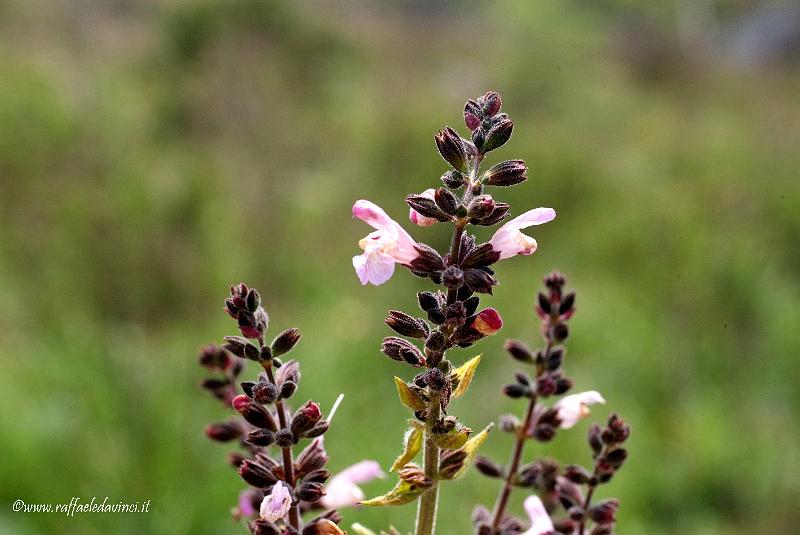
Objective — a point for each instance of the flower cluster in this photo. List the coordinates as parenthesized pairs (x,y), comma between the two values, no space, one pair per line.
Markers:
(281,487)
(558,487)
(453,317)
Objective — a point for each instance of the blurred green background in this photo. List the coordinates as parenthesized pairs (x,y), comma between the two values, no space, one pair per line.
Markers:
(151,153)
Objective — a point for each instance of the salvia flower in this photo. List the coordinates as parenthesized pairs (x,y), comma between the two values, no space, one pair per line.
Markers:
(572,408)
(509,241)
(387,245)
(343,489)
(419,219)
(277,503)
(541,524)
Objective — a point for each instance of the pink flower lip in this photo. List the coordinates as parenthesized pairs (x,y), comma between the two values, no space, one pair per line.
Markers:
(509,241)
(387,245)
(240,402)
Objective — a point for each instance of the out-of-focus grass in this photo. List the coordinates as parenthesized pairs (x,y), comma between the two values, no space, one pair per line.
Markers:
(152,153)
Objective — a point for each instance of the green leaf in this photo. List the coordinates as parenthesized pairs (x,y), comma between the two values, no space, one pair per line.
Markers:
(454,439)
(413,443)
(471,447)
(401,494)
(408,397)
(463,376)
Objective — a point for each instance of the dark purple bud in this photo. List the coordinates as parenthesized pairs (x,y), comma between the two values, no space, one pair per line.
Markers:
(481,256)
(519,351)
(563,384)
(285,341)
(453,277)
(312,458)
(427,207)
(567,304)
(480,207)
(256,474)
(446,201)
(214,358)
(577,474)
(241,348)
(263,527)
(554,358)
(428,301)
(428,261)
(284,438)
(452,149)
(604,512)
(236,459)
(488,467)
(318,430)
(224,431)
(479,280)
(560,332)
(471,304)
(318,476)
(499,133)
(515,390)
(472,115)
(305,418)
(253,300)
(310,491)
(264,392)
(616,457)
(254,413)
(544,432)
(491,103)
(402,350)
(261,437)
(288,389)
(436,341)
(407,325)
(501,211)
(594,437)
(507,173)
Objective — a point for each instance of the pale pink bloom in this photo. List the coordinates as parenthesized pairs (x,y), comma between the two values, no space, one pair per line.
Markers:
(343,489)
(419,219)
(576,406)
(509,241)
(277,503)
(246,504)
(387,245)
(541,524)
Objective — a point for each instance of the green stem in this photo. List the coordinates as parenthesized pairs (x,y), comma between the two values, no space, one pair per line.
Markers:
(428,502)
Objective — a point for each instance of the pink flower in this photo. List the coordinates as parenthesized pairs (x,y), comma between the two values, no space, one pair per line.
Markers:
(509,241)
(343,490)
(387,245)
(419,219)
(487,322)
(576,406)
(541,524)
(277,503)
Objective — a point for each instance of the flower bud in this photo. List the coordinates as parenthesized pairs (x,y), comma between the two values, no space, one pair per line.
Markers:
(285,341)
(402,350)
(446,201)
(518,351)
(310,491)
(480,207)
(254,413)
(507,173)
(424,210)
(263,527)
(544,432)
(265,392)
(487,322)
(241,348)
(491,103)
(428,301)
(312,458)
(509,423)
(318,430)
(429,260)
(407,325)
(287,390)
(224,431)
(594,437)
(256,474)
(451,463)
(488,467)
(253,300)
(472,115)
(577,474)
(479,280)
(499,133)
(214,358)
(436,341)
(261,437)
(515,390)
(305,418)
(604,512)
(452,149)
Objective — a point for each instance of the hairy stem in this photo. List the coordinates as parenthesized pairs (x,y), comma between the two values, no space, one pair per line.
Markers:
(288,463)
(428,502)
(590,492)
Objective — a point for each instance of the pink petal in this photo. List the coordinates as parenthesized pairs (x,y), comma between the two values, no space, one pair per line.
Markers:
(361,472)
(373,267)
(537,216)
(541,524)
(371,214)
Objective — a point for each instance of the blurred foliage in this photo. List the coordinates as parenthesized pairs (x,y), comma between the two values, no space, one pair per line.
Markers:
(151,153)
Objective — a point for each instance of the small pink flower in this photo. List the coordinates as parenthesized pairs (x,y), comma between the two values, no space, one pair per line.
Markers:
(277,503)
(487,322)
(387,245)
(419,219)
(541,524)
(576,406)
(509,241)
(343,489)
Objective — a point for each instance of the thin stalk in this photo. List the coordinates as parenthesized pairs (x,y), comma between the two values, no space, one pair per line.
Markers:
(288,462)
(516,456)
(588,501)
